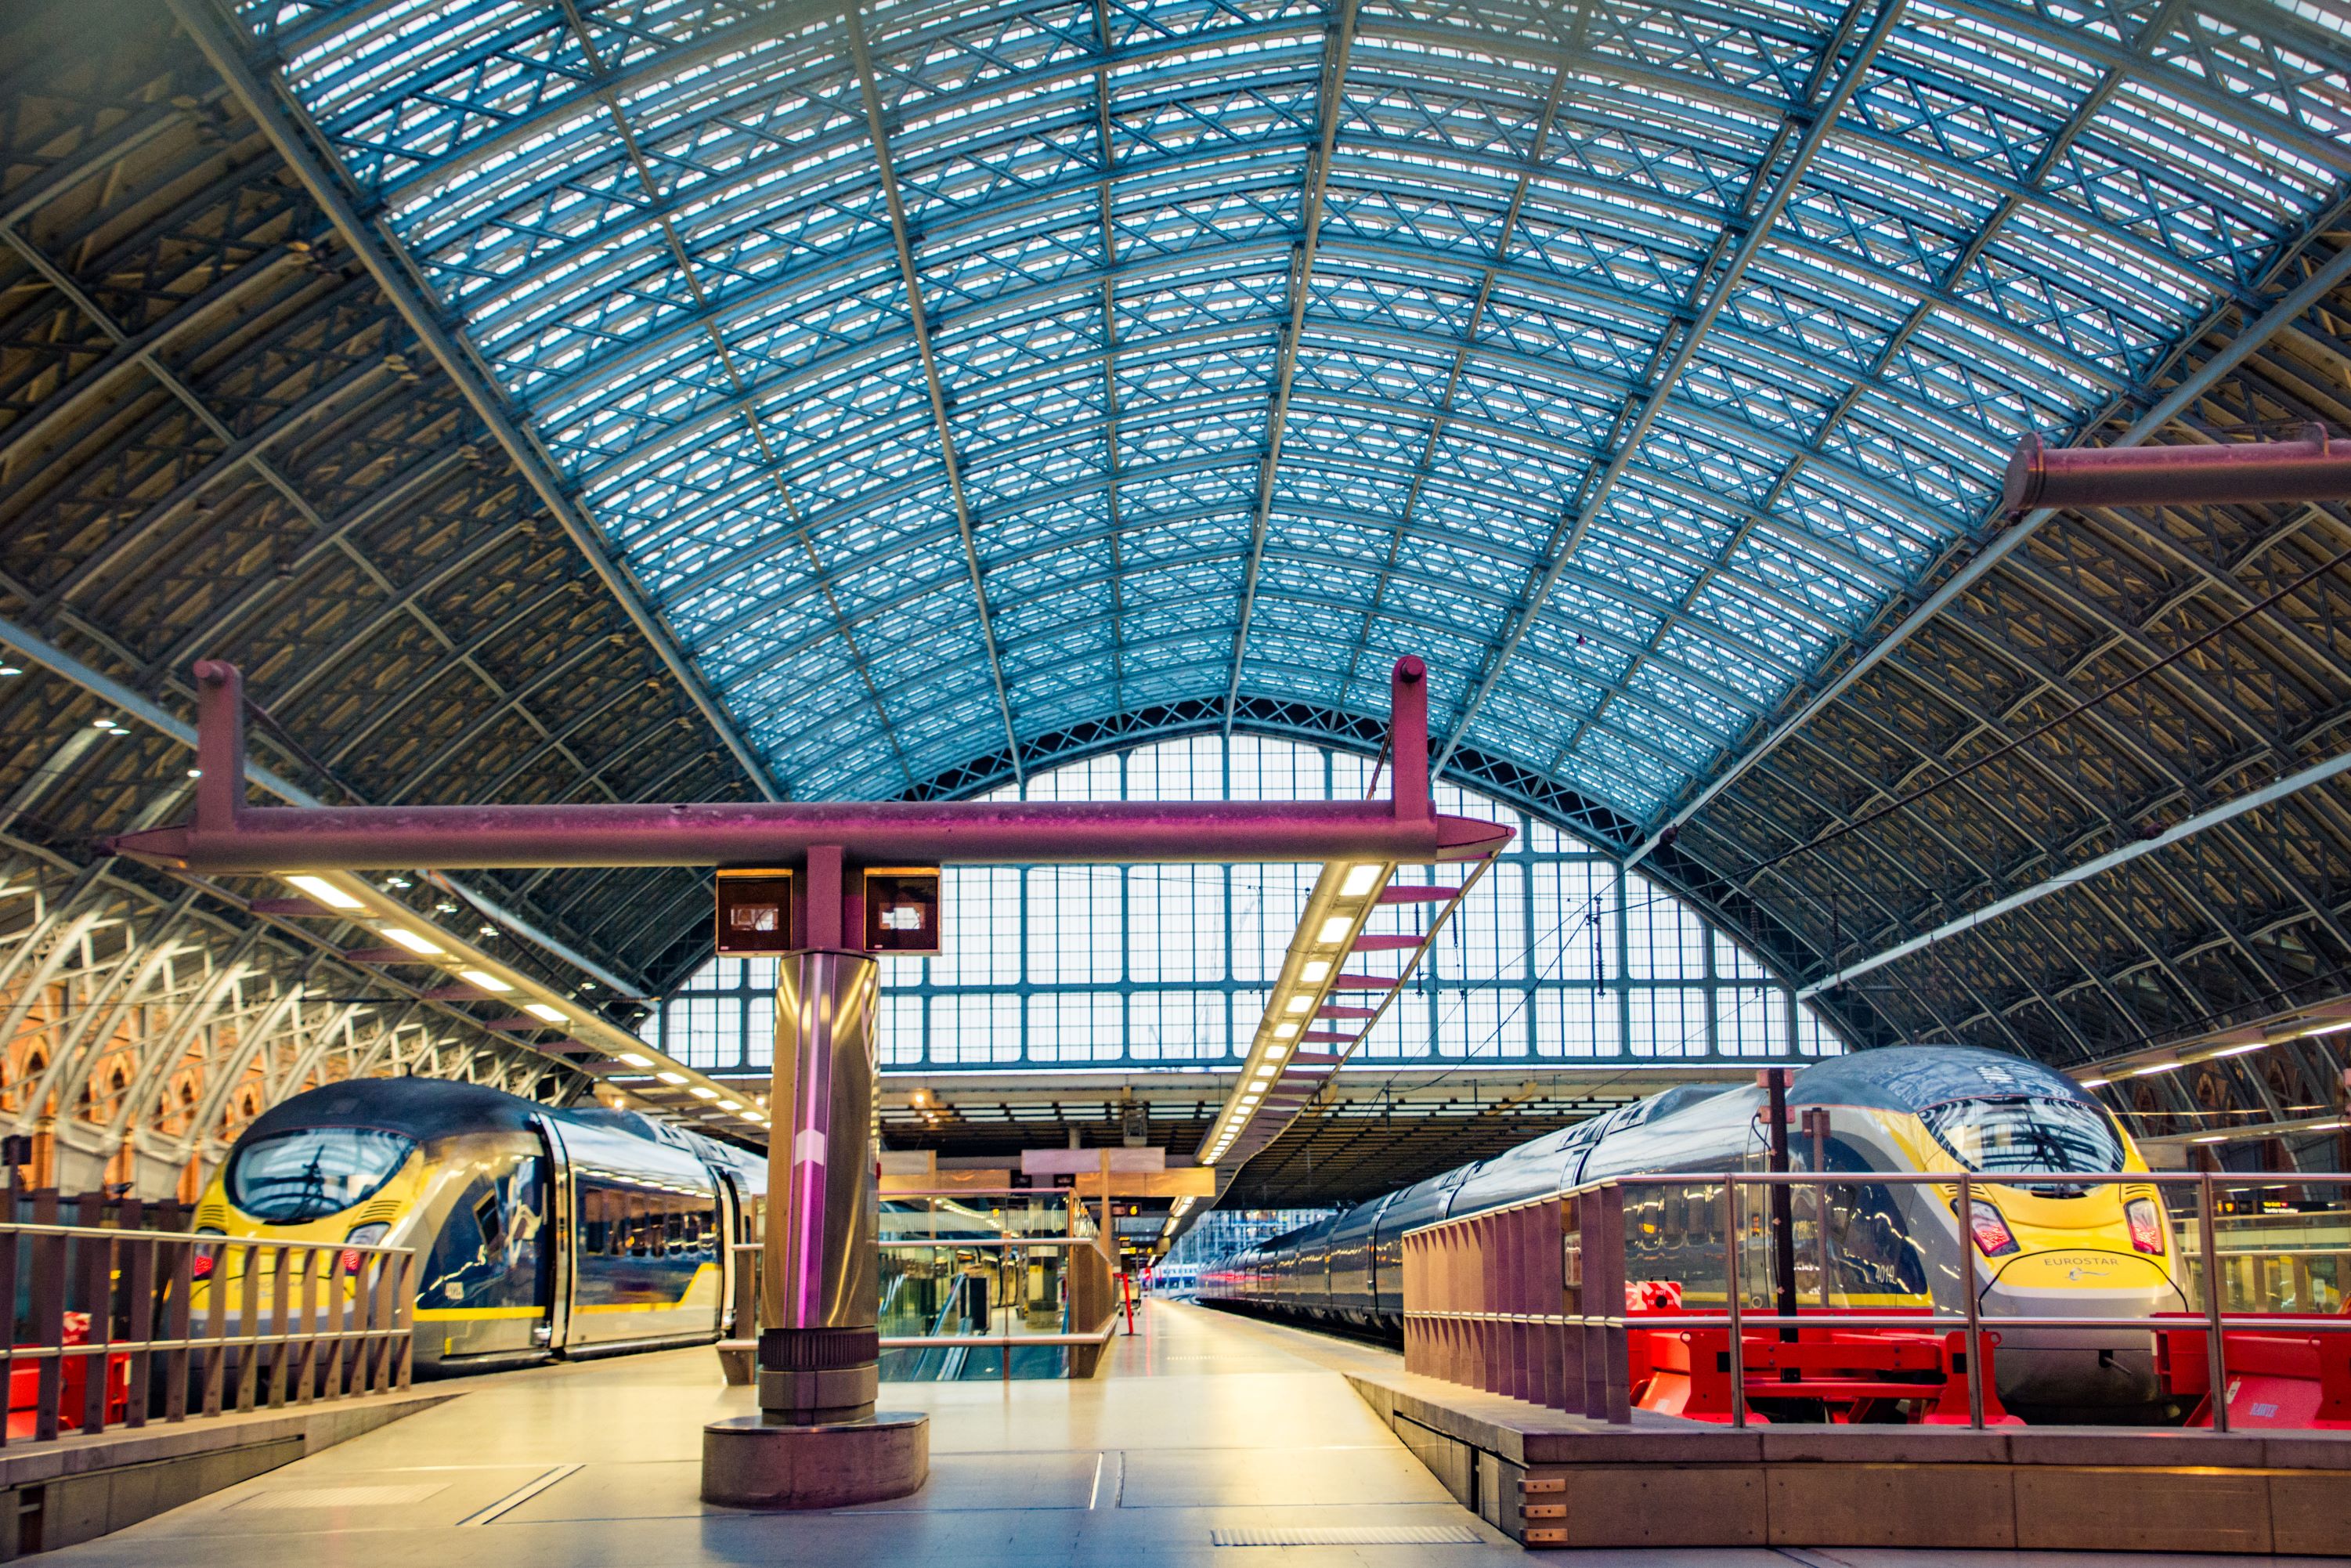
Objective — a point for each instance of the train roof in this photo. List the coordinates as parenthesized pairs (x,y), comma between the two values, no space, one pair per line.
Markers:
(1914,1077)
(424,1108)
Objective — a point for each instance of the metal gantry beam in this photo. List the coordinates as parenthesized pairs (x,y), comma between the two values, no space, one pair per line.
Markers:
(39,650)
(286,125)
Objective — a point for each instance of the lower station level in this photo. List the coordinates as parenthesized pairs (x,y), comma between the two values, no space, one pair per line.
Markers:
(1203,1438)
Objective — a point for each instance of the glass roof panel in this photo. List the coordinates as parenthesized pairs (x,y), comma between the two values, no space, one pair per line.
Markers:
(1623,359)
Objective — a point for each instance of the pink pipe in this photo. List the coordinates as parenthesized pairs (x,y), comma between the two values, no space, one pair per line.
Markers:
(228,837)
(2241,473)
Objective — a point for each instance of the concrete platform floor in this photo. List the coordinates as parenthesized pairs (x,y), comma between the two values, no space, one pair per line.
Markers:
(1204,1437)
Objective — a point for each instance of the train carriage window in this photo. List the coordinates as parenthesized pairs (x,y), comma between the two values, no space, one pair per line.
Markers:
(489,1216)
(291,1177)
(595,1220)
(487,1252)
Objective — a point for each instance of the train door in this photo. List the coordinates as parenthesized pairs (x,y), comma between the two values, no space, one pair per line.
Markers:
(730,1230)
(484,1282)
(563,1237)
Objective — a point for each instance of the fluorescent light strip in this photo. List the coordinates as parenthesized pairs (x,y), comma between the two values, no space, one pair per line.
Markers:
(409,939)
(325,892)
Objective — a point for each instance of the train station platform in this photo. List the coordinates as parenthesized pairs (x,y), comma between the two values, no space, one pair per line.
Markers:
(1205,1440)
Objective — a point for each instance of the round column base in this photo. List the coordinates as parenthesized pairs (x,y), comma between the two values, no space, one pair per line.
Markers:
(747,1463)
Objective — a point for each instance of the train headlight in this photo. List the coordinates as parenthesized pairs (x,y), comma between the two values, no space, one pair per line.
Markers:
(1993,1237)
(2146,1226)
(353,1259)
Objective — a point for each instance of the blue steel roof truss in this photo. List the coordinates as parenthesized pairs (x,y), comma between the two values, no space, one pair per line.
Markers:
(1625,359)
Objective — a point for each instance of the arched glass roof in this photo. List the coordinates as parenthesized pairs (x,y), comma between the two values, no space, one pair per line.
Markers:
(947,371)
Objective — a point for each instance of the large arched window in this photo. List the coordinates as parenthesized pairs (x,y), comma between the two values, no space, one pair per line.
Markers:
(1559,956)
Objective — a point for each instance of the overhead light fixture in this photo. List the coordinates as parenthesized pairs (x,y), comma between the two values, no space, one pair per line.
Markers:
(670,1077)
(1284,1031)
(1359,881)
(412,942)
(395,882)
(483,978)
(2211,1138)
(542,1011)
(730,1104)
(485,930)
(699,1092)
(2089,1082)
(325,892)
(2334,1027)
(1316,971)
(1297,1004)
(633,1059)
(10,670)
(196,772)
(1335,928)
(2240,1050)
(2158,1067)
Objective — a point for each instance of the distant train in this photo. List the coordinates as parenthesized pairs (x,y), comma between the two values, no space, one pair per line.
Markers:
(2050,1247)
(538,1231)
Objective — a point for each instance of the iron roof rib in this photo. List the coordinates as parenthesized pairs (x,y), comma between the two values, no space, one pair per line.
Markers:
(1820,123)
(282,120)
(2289,307)
(918,313)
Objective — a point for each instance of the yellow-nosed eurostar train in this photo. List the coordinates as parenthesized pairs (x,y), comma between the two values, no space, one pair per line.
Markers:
(2048,1247)
(538,1231)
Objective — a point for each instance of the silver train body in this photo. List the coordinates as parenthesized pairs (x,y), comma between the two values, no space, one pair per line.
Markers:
(538,1231)
(2050,1247)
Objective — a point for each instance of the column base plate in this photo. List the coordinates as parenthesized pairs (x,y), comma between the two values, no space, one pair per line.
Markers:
(746,1463)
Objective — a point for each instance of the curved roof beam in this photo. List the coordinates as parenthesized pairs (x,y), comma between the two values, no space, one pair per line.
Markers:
(1643,405)
(283,122)
(918,313)
(1330,97)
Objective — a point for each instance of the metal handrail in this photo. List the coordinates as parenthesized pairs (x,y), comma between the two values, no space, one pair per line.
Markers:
(2213,1320)
(136,1280)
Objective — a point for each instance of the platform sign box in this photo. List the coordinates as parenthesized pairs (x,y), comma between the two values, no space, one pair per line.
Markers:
(902,910)
(754,912)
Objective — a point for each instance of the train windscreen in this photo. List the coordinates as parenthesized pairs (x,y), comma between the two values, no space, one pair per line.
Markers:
(308,1175)
(2025,1136)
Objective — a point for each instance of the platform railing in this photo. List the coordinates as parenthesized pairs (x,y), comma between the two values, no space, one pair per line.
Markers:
(1538,1300)
(116,1327)
(1038,1255)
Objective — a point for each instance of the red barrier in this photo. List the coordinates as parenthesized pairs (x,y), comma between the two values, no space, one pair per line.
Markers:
(1851,1376)
(2278,1378)
(25,1382)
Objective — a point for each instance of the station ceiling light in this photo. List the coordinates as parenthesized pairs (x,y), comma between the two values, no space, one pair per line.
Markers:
(491,973)
(325,892)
